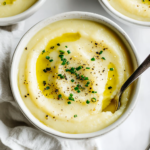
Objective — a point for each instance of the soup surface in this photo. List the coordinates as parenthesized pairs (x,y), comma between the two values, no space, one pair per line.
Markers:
(69,73)
(10,8)
(135,9)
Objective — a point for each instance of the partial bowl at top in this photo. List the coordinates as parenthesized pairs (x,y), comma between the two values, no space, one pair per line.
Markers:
(130,12)
(66,69)
(12,11)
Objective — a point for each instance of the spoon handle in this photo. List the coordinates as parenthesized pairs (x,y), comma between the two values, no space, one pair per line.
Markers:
(144,66)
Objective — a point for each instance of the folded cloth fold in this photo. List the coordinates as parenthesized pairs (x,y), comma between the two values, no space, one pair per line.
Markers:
(15,131)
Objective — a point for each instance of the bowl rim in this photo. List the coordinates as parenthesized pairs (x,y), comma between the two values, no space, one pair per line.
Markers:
(119,15)
(27,113)
(27,12)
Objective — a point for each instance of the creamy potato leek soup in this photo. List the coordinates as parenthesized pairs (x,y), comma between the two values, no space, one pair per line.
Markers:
(14,7)
(135,9)
(69,73)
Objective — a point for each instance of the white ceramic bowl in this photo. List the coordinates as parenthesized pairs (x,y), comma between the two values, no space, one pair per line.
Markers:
(17,18)
(122,18)
(27,37)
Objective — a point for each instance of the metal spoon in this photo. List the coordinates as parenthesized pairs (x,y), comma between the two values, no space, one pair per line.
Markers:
(144,66)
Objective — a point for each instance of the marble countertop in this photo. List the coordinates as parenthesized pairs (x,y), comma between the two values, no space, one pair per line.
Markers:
(134,133)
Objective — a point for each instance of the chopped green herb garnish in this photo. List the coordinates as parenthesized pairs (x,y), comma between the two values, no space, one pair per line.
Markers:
(94,91)
(43,51)
(93,59)
(86,78)
(47,88)
(88,82)
(111,69)
(51,60)
(59,96)
(68,63)
(72,80)
(75,116)
(93,99)
(69,102)
(63,63)
(78,68)
(87,101)
(68,52)
(58,44)
(100,52)
(61,56)
(44,82)
(86,85)
(76,88)
(87,67)
(47,57)
(4,3)
(61,51)
(103,58)
(110,87)
(78,91)
(71,98)
(67,70)
(71,94)
(66,46)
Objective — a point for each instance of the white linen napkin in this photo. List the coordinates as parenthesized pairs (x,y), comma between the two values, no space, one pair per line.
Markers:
(16,132)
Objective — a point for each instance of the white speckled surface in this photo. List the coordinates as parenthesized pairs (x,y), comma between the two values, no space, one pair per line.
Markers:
(134,133)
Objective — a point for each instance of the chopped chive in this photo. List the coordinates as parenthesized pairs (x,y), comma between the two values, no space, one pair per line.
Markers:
(71,98)
(76,88)
(47,88)
(68,63)
(94,91)
(58,44)
(62,77)
(93,99)
(71,94)
(51,60)
(63,63)
(75,116)
(59,96)
(78,68)
(61,51)
(67,70)
(103,58)
(88,82)
(87,67)
(86,78)
(69,102)
(59,74)
(72,80)
(61,56)
(47,57)
(111,69)
(86,85)
(78,91)
(68,52)
(110,87)
(87,101)
(43,51)
(44,82)
(93,59)
(100,52)
(66,46)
